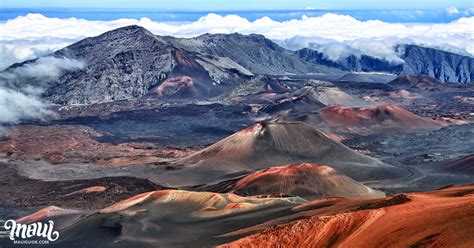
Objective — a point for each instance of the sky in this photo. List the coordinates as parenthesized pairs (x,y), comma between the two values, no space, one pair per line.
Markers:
(241,4)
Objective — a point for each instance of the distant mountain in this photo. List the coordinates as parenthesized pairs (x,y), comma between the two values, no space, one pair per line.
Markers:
(363,63)
(254,52)
(444,66)
(441,65)
(131,62)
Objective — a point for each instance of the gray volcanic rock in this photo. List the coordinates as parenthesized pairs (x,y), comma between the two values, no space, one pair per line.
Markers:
(441,65)
(254,52)
(131,62)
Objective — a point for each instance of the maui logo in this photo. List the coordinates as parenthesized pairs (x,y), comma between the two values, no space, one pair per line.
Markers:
(25,231)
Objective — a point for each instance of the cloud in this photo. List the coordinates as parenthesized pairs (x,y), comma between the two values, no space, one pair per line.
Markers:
(44,67)
(19,50)
(34,34)
(20,90)
(16,105)
(469,12)
(452,10)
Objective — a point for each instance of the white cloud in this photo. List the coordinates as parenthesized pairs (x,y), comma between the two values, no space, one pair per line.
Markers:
(469,12)
(34,34)
(44,67)
(18,50)
(16,105)
(452,10)
(19,95)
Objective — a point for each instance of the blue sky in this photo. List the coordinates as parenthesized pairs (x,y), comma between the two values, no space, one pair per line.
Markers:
(241,4)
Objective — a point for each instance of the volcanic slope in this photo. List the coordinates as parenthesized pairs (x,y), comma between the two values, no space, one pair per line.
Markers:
(131,62)
(464,165)
(330,95)
(308,181)
(382,118)
(168,218)
(308,99)
(416,81)
(254,52)
(178,218)
(269,144)
(441,218)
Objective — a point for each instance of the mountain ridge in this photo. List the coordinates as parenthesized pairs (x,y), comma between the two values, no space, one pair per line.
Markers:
(444,66)
(131,62)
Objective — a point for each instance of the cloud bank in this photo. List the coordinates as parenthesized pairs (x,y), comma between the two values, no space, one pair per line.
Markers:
(34,34)
(19,88)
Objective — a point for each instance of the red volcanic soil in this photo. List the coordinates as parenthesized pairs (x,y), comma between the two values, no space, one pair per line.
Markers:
(376,118)
(46,213)
(418,81)
(174,85)
(275,144)
(178,218)
(464,165)
(308,181)
(60,144)
(201,205)
(87,190)
(442,218)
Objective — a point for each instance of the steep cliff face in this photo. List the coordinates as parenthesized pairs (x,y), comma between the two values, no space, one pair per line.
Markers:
(444,66)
